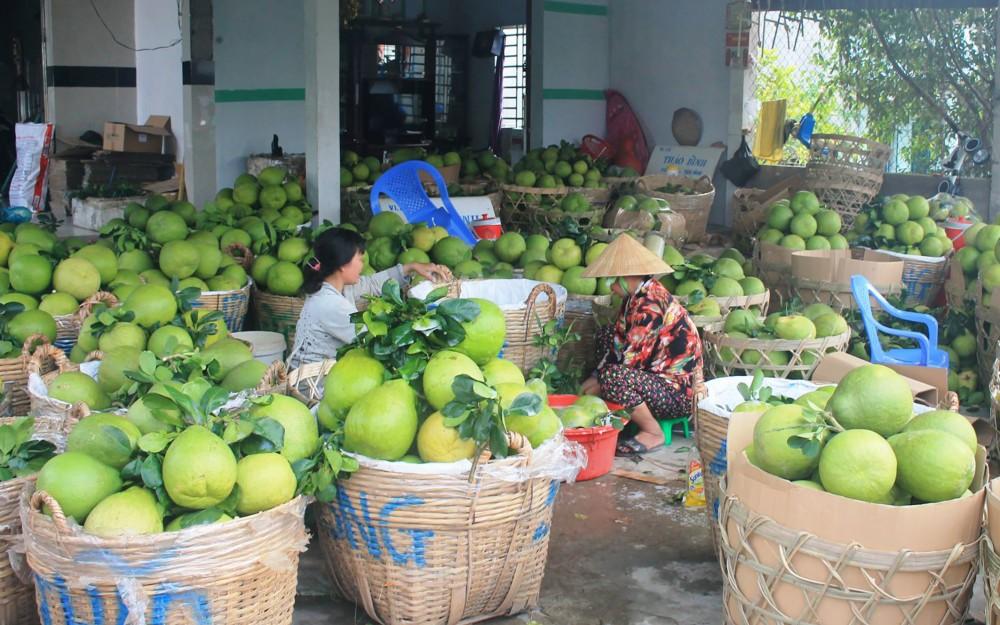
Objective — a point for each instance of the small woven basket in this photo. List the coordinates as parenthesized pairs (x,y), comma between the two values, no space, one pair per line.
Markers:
(729,355)
(695,207)
(525,323)
(15,372)
(355,206)
(520,204)
(68,326)
(923,278)
(232,573)
(580,312)
(845,172)
(47,362)
(306,383)
(467,548)
(232,304)
(277,313)
(776,574)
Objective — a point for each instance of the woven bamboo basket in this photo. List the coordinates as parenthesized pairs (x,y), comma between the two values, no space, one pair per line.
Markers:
(274,381)
(550,222)
(923,278)
(306,383)
(776,574)
(710,435)
(760,301)
(737,356)
(774,274)
(232,304)
(193,576)
(355,205)
(845,172)
(580,312)
(990,557)
(277,313)
(837,295)
(15,371)
(748,214)
(695,208)
(47,362)
(525,323)
(521,203)
(17,598)
(68,326)
(475,547)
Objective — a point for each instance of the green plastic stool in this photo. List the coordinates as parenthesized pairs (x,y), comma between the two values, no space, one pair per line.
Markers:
(667,425)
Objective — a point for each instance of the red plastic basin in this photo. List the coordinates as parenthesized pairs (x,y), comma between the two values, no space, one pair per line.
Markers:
(599,441)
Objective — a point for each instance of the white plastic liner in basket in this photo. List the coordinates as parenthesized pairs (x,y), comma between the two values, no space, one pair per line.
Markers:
(724,394)
(37,387)
(934,260)
(510,294)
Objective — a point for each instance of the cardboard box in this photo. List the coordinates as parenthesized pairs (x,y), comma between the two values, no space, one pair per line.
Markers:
(860,540)
(470,208)
(929,385)
(149,137)
(836,267)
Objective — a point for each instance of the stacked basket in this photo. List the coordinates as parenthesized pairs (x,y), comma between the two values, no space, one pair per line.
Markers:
(14,371)
(845,172)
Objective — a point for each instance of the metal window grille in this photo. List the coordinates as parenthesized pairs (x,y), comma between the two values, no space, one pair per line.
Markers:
(515,77)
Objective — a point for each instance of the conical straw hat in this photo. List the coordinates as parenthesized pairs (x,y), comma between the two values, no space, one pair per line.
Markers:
(626,257)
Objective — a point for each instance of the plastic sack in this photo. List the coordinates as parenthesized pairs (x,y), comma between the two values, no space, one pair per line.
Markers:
(30,183)
(741,166)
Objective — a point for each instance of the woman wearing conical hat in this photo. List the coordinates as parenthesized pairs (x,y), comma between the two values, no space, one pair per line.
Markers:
(650,354)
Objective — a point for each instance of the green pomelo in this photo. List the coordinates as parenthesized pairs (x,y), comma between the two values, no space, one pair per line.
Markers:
(78,277)
(351,378)
(260,268)
(165,226)
(872,397)
(830,324)
(933,465)
(794,328)
(265,481)
(383,423)
(284,278)
(484,335)
(437,442)
(728,268)
(440,373)
(858,464)
(726,287)
(753,286)
(740,320)
(59,304)
(111,374)
(945,421)
(576,417)
(500,371)
(28,322)
(74,386)
(133,512)
(110,438)
(179,259)
(102,258)
(151,304)
(78,483)
(244,376)
(816,310)
(30,274)
(122,334)
(301,432)
(809,484)
(199,469)
(229,353)
(771,436)
(169,340)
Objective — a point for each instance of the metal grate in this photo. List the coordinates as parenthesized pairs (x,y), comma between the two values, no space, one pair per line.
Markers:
(515,76)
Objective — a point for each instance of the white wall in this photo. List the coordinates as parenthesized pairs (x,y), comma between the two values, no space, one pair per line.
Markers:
(158,72)
(258,48)
(74,37)
(668,55)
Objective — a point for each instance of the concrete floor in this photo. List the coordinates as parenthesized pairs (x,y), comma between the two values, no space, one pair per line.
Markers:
(621,553)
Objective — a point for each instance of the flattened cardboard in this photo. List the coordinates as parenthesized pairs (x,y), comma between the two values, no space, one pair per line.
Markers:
(837,267)
(925,528)
(150,137)
(928,384)
(668,223)
(774,256)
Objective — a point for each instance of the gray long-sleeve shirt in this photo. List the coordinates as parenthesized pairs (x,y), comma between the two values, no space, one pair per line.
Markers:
(325,322)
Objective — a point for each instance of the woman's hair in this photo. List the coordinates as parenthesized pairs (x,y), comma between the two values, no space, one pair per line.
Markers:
(332,250)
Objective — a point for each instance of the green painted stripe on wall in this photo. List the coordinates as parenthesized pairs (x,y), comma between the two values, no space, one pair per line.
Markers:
(572,94)
(577,8)
(260,95)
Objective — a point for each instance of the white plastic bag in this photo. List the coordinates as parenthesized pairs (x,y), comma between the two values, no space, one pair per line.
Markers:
(30,183)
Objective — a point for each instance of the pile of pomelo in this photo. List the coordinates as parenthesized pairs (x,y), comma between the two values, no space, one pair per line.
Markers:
(389,418)
(978,258)
(585,412)
(355,170)
(802,223)
(861,440)
(902,224)
(117,479)
(812,322)
(702,278)
(562,261)
(556,166)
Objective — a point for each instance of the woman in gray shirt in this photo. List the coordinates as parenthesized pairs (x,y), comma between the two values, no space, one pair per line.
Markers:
(333,285)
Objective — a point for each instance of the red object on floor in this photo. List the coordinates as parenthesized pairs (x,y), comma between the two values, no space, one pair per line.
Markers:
(624,133)
(599,441)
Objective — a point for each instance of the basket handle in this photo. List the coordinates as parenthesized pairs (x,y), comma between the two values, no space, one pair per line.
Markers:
(243,256)
(46,353)
(40,500)
(77,412)
(88,305)
(542,287)
(517,442)
(94,355)
(32,343)
(275,375)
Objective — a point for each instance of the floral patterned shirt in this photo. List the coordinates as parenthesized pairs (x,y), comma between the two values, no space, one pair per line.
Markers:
(654,333)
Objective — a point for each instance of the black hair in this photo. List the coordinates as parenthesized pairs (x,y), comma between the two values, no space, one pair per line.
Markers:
(332,249)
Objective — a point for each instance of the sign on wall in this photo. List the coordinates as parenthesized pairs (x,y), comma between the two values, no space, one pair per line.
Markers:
(680,160)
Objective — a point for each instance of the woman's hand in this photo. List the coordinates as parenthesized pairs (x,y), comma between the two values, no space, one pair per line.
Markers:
(591,386)
(430,271)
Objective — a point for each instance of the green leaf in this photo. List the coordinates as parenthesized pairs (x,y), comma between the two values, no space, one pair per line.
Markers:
(151,472)
(436,294)
(119,439)
(155,442)
(349,465)
(148,362)
(525,405)
(237,431)
(483,391)
(498,442)
(271,430)
(459,309)
(8,440)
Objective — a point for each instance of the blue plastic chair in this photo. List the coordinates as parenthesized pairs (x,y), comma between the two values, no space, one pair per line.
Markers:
(403,185)
(927,355)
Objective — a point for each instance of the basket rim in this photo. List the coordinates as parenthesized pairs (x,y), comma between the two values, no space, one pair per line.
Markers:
(721,338)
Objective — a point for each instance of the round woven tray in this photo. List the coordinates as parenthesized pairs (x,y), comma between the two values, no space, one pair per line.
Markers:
(726,354)
(744,302)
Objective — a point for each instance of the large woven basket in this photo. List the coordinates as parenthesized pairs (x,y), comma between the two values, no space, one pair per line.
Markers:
(837,295)
(277,313)
(234,573)
(695,208)
(15,372)
(68,326)
(306,383)
(710,434)
(520,204)
(232,304)
(47,362)
(580,312)
(448,549)
(525,322)
(776,574)
(729,355)
(761,302)
(17,598)
(355,205)
(845,172)
(923,278)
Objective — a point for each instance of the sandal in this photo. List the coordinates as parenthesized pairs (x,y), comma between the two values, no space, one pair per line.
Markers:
(632,448)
